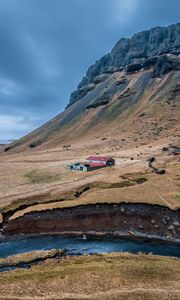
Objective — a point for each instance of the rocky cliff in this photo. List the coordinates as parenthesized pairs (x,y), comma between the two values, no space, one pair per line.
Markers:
(134,51)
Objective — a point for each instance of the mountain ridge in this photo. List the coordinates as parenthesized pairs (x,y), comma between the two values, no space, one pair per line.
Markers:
(141,46)
(142,92)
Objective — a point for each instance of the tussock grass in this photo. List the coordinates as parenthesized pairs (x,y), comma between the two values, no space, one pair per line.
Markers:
(102,276)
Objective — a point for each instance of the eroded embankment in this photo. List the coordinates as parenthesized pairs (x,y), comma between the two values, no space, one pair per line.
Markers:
(29,258)
(18,206)
(125,219)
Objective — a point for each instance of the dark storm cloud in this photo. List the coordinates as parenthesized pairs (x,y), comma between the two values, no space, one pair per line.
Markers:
(47,45)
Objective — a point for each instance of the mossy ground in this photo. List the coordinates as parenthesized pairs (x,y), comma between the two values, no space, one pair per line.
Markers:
(177,197)
(42,177)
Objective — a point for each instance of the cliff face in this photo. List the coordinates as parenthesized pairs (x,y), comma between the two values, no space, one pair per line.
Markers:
(138,49)
(138,220)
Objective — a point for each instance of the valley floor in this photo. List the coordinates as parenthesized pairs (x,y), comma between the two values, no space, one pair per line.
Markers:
(39,180)
(42,178)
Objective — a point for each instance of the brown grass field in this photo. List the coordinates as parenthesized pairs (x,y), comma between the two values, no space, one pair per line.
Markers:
(42,178)
(106,276)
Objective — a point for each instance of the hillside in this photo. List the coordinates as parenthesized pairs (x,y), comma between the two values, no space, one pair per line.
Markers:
(136,85)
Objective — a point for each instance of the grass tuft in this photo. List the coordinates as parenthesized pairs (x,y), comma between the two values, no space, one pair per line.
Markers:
(177,197)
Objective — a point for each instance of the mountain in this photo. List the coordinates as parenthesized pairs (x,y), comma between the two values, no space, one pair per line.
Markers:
(136,51)
(131,93)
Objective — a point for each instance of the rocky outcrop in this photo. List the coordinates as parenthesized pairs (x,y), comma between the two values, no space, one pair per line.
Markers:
(123,220)
(81,92)
(100,103)
(172,150)
(174,93)
(142,50)
(165,64)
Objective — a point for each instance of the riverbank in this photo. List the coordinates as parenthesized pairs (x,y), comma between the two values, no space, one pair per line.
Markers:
(27,259)
(103,276)
(125,220)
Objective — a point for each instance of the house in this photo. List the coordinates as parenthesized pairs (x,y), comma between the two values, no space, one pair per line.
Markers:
(107,160)
(92,163)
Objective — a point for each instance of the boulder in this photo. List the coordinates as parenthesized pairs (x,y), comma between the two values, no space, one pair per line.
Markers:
(172,149)
(156,226)
(176,223)
(172,228)
(151,159)
(159,171)
(122,209)
(164,221)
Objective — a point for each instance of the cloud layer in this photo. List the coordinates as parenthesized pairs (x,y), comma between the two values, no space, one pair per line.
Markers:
(47,45)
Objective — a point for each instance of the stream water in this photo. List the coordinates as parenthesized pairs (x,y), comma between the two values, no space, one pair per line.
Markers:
(78,246)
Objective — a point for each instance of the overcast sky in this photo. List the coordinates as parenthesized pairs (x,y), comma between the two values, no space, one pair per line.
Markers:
(46,47)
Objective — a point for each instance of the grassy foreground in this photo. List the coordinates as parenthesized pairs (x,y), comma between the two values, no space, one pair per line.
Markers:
(108,276)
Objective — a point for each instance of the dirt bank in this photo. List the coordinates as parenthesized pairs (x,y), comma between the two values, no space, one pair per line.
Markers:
(126,219)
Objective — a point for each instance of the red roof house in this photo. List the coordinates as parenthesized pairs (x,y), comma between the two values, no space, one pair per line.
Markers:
(92,163)
(107,160)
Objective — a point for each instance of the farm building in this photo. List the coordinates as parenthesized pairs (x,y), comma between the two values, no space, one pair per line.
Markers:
(107,160)
(92,163)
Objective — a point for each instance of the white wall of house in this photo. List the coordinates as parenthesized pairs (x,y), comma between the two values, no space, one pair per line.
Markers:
(78,167)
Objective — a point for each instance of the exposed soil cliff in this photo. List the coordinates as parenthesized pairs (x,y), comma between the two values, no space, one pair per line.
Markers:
(136,220)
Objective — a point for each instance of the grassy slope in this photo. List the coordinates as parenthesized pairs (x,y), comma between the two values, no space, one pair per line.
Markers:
(109,276)
(142,95)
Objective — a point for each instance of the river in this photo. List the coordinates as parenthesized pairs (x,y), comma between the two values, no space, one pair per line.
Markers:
(79,246)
